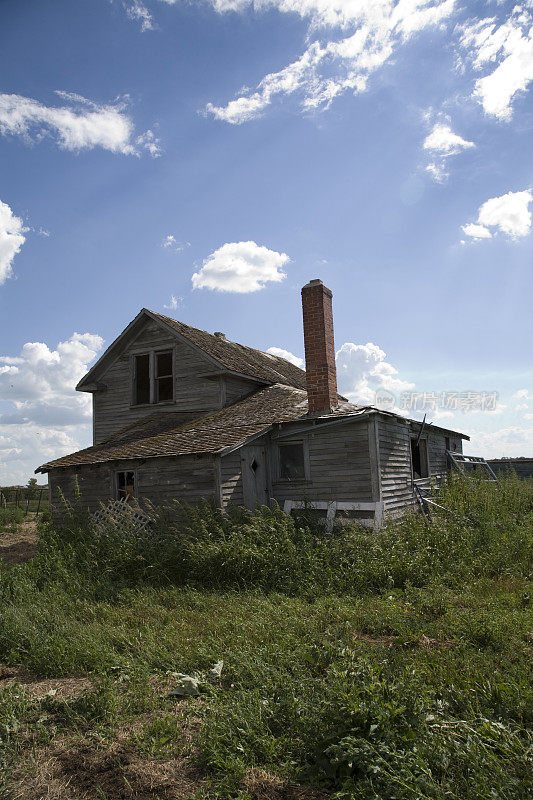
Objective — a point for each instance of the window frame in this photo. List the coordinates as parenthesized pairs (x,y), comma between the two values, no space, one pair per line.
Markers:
(116,489)
(426,458)
(152,371)
(306,462)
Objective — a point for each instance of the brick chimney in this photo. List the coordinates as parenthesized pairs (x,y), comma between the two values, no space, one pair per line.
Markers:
(319,347)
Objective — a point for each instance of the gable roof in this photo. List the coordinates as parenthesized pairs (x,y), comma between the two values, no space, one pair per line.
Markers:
(226,356)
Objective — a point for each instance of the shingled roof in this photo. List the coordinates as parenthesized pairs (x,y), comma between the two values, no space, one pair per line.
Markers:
(167,434)
(231,356)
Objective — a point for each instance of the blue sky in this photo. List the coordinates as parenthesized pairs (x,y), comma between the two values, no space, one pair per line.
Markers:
(206,159)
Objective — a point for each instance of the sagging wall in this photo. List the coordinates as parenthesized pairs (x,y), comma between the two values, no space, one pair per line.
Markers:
(394,448)
(160,480)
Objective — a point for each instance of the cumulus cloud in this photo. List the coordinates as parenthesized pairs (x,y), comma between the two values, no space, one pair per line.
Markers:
(78,125)
(505,53)
(445,142)
(508,213)
(240,267)
(351,40)
(440,144)
(45,416)
(287,355)
(11,240)
(477,231)
(362,372)
(39,383)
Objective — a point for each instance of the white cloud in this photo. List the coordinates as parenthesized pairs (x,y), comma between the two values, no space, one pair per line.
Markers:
(46,417)
(506,51)
(511,441)
(174,303)
(477,231)
(11,240)
(331,66)
(138,12)
(240,267)
(362,371)
(445,142)
(508,213)
(287,355)
(39,383)
(79,125)
(441,143)
(170,242)
(148,141)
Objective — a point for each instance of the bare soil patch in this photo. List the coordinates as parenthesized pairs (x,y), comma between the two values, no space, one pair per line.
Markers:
(63,688)
(19,545)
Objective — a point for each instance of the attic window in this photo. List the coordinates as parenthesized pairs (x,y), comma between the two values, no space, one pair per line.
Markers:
(164,382)
(142,379)
(153,380)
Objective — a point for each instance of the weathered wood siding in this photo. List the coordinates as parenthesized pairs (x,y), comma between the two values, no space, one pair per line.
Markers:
(394,447)
(339,466)
(394,450)
(160,480)
(237,388)
(112,408)
(231,479)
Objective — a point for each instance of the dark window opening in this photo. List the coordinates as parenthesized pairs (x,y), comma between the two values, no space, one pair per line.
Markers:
(126,486)
(291,461)
(447,442)
(163,377)
(254,465)
(419,458)
(142,379)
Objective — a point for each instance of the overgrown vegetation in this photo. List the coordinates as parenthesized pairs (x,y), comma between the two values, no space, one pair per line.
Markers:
(394,665)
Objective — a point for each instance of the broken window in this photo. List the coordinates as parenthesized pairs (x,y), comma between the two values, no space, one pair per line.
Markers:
(419,458)
(291,461)
(142,379)
(126,486)
(153,380)
(163,377)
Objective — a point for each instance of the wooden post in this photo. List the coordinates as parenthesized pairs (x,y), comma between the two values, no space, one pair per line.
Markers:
(17,499)
(39,503)
(27,506)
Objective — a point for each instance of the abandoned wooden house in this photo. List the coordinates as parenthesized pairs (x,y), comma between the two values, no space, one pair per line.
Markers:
(179,413)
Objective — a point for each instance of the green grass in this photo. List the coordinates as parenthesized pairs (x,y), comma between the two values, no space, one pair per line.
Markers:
(388,666)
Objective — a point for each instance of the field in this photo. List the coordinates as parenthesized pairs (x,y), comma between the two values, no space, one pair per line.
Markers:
(355,665)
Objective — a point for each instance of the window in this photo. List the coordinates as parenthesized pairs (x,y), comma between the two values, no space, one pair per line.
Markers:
(153,380)
(291,461)
(419,458)
(163,377)
(125,486)
(142,379)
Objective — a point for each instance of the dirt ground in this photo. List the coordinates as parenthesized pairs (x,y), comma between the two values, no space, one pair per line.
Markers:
(19,545)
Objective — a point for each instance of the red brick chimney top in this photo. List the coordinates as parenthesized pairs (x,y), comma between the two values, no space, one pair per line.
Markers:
(321,374)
